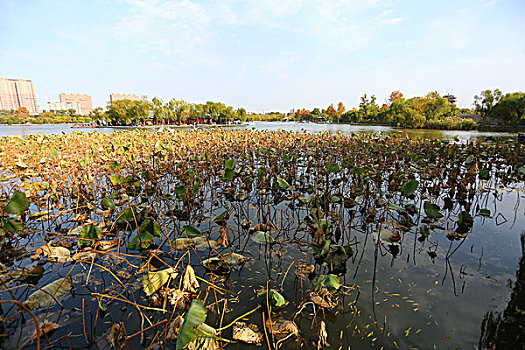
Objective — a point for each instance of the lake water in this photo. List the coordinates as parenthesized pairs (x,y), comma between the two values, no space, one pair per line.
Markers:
(464,296)
(347,129)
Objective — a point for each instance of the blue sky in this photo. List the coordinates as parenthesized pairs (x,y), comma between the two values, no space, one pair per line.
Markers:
(264,54)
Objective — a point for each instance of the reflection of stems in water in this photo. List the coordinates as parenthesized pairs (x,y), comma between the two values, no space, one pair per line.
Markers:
(448,266)
(516,206)
(362,253)
(480,258)
(455,249)
(375,265)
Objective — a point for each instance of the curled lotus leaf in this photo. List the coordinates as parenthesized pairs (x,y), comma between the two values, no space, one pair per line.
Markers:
(153,281)
(189,281)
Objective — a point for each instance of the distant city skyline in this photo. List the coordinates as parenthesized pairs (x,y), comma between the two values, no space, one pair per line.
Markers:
(275,55)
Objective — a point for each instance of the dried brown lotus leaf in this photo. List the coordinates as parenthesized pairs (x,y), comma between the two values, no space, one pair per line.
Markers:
(247,333)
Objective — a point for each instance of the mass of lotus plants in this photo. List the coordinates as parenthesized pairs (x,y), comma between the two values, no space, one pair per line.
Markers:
(193,239)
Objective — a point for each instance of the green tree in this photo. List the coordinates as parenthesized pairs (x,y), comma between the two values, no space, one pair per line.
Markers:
(510,107)
(97,113)
(160,111)
(368,107)
(403,113)
(241,114)
(485,101)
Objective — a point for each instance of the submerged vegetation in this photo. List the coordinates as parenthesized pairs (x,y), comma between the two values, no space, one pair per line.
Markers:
(143,239)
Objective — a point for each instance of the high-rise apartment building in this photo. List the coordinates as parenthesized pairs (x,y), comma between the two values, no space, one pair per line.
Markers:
(116,97)
(83,100)
(16,93)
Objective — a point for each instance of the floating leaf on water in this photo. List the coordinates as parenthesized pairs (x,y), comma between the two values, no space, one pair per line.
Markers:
(59,254)
(395,207)
(189,281)
(387,236)
(233,259)
(247,333)
(484,212)
(189,232)
(180,190)
(48,294)
(282,328)
(228,175)
(262,237)
(199,243)
(322,298)
(17,204)
(194,317)
(333,168)
(282,184)
(13,225)
(229,164)
(141,241)
(150,226)
(409,187)
(484,174)
(89,235)
(153,281)
(117,179)
(86,256)
(274,297)
(146,235)
(108,203)
(126,219)
(432,210)
(331,282)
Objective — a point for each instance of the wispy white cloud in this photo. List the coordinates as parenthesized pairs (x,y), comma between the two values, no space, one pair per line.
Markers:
(394,20)
(489,3)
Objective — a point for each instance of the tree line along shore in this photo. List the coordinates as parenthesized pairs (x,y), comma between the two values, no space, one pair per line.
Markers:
(491,110)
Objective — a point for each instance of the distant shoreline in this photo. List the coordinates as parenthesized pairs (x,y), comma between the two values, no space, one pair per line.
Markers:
(485,128)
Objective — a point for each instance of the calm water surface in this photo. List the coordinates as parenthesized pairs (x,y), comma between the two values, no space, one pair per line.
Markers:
(23,130)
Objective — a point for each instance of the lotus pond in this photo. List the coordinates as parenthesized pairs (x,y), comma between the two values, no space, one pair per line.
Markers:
(246,239)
